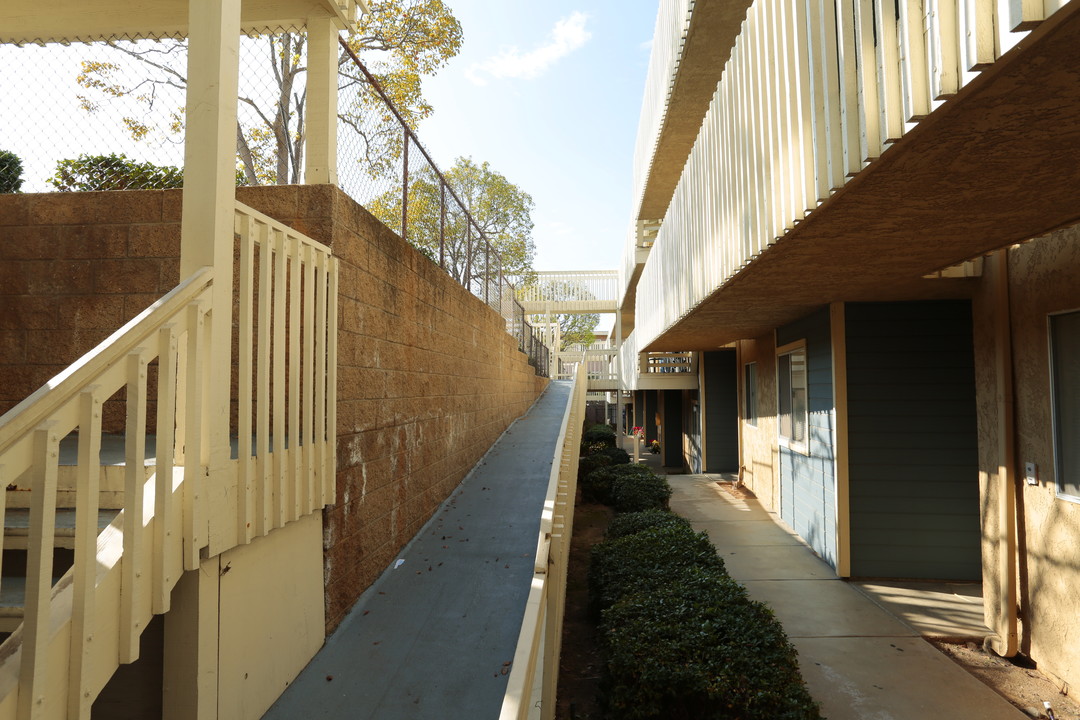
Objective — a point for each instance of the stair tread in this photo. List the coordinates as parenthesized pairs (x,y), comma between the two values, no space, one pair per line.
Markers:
(13,594)
(17,521)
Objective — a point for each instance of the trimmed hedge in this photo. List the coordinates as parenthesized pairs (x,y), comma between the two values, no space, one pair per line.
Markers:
(618,456)
(634,522)
(646,561)
(597,438)
(588,463)
(682,640)
(598,485)
(634,493)
(700,649)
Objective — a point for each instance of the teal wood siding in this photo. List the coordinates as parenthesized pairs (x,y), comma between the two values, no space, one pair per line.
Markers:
(808,480)
(721,400)
(671,444)
(650,406)
(912,439)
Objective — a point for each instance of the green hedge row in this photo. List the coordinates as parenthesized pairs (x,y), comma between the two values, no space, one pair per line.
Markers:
(597,437)
(682,640)
(627,488)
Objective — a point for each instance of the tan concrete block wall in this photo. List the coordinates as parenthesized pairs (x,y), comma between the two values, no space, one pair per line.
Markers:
(1044,277)
(74,267)
(428,377)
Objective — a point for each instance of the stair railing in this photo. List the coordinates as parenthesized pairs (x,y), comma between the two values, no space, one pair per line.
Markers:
(284,395)
(287,374)
(170,331)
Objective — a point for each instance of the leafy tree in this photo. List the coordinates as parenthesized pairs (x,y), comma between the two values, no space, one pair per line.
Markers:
(11,170)
(577,329)
(113,172)
(399,40)
(501,210)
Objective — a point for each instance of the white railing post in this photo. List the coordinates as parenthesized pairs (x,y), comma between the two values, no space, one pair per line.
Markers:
(207,226)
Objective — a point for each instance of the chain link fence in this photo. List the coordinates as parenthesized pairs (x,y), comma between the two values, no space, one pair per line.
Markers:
(110,115)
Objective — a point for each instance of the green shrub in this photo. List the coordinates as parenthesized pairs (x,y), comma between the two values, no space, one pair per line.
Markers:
(634,493)
(597,438)
(646,561)
(682,640)
(113,172)
(588,463)
(597,485)
(634,522)
(11,170)
(618,455)
(700,649)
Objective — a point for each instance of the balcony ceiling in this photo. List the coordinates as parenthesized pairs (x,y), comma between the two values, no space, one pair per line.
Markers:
(714,25)
(997,165)
(23,21)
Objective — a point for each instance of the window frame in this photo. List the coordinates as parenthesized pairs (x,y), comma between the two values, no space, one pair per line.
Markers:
(750,394)
(799,446)
(1060,481)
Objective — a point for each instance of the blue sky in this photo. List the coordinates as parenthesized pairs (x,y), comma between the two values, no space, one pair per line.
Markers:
(549,93)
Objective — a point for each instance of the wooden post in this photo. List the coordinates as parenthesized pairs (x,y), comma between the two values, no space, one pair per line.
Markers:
(321,106)
(209,202)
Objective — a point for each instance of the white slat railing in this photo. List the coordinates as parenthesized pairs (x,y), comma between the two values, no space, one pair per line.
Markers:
(813,92)
(286,407)
(669,35)
(76,630)
(535,670)
(571,291)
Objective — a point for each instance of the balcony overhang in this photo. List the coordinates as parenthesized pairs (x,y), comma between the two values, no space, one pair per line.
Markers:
(33,21)
(667,381)
(714,25)
(996,165)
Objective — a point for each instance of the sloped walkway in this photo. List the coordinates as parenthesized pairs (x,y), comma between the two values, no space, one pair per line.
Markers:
(433,637)
(859,660)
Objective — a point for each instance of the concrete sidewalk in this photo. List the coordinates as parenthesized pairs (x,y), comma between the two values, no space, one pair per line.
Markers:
(433,637)
(860,661)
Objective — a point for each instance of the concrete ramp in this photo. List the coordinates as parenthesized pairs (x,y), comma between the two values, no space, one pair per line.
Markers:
(434,636)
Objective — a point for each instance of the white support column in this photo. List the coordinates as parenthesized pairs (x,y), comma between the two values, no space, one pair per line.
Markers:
(207,225)
(320,160)
(619,378)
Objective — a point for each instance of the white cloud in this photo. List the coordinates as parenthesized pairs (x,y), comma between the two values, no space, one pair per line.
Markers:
(568,35)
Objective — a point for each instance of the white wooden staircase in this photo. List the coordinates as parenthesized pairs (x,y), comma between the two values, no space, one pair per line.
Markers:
(105,544)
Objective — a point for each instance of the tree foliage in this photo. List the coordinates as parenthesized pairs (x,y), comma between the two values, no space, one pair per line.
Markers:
(501,210)
(577,329)
(88,173)
(11,170)
(399,40)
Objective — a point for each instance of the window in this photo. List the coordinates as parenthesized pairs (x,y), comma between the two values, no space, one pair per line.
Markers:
(750,410)
(791,395)
(1065,388)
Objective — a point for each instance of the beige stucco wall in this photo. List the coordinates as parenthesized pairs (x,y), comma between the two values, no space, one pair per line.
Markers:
(1044,277)
(758,442)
